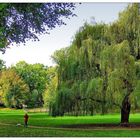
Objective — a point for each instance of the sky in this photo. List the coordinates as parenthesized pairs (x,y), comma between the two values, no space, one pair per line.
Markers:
(60,37)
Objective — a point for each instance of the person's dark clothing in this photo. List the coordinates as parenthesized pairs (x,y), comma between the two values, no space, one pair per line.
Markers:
(26,120)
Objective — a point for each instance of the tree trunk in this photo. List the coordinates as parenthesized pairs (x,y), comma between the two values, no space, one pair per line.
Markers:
(138,55)
(125,111)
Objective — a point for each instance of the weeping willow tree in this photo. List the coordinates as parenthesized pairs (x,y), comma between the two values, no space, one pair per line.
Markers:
(121,77)
(100,70)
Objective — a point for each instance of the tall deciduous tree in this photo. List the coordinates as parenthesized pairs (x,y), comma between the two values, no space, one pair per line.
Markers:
(35,76)
(14,91)
(106,59)
(23,21)
(121,77)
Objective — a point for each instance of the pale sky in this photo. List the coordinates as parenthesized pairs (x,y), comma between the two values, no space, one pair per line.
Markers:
(60,37)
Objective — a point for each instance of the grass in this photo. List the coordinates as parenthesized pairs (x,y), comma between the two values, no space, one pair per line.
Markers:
(41,132)
(52,126)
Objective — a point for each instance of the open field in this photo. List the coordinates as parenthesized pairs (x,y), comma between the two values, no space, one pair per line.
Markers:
(40,124)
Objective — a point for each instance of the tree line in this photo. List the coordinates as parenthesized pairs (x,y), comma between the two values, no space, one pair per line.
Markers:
(23,84)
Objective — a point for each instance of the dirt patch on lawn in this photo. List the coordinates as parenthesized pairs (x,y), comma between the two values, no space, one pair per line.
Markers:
(130,126)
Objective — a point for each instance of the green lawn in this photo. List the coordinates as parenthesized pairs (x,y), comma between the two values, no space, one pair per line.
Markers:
(40,124)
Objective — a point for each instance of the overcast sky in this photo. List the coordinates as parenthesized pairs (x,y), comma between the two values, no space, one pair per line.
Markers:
(60,37)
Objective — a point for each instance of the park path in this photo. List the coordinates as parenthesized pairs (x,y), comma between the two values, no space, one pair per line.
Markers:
(62,128)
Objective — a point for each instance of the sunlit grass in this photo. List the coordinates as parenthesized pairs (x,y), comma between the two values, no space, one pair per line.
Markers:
(43,120)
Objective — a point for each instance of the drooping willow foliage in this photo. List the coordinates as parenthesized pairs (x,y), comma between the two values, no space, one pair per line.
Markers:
(101,69)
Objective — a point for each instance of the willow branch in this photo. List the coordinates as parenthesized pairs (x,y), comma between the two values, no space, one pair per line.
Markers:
(99,101)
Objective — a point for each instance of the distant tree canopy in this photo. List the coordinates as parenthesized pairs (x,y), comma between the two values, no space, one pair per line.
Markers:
(35,76)
(23,21)
(100,70)
(14,91)
(25,84)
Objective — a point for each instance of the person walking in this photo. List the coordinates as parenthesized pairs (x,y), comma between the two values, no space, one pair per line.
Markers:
(26,117)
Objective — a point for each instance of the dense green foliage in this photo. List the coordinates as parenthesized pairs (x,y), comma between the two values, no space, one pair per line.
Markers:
(35,76)
(100,70)
(14,91)
(51,87)
(24,84)
(23,21)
